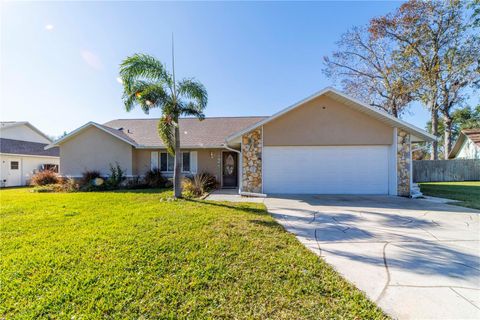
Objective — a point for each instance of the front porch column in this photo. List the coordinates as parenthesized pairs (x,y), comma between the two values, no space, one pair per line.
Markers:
(252,161)
(403,163)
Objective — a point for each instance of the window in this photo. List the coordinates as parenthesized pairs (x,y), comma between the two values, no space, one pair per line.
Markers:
(163,161)
(186,161)
(14,165)
(167,162)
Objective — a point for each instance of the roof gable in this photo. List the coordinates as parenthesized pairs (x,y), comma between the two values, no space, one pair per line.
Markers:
(115,133)
(421,135)
(23,131)
(470,134)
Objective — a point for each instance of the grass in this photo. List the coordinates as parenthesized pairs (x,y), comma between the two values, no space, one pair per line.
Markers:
(468,192)
(132,254)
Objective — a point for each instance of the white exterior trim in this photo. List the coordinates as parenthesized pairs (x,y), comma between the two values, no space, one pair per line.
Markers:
(85,126)
(252,194)
(392,174)
(182,147)
(388,118)
(27,155)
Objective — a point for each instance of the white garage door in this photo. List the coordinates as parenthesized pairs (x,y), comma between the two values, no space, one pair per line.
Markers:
(326,170)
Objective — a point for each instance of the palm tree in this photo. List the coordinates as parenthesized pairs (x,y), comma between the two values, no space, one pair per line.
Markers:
(148,84)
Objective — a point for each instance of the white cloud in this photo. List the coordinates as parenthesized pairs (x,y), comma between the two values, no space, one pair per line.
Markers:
(119,80)
(49,27)
(91,59)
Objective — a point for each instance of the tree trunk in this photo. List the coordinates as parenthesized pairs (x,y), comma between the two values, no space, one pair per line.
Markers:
(434,151)
(448,122)
(177,170)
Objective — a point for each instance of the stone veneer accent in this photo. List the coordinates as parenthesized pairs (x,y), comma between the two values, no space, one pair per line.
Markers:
(252,161)
(403,163)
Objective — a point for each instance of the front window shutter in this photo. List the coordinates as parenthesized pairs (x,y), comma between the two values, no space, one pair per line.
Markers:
(154,160)
(193,162)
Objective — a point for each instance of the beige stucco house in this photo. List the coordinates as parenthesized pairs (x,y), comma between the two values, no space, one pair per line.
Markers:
(328,143)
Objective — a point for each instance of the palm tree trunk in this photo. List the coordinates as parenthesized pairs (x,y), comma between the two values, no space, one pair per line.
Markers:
(177,170)
(434,152)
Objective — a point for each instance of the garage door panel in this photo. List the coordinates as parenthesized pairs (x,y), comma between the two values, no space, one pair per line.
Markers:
(326,170)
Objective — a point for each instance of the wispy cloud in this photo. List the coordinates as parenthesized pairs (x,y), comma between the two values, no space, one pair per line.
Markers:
(91,59)
(49,27)
(119,80)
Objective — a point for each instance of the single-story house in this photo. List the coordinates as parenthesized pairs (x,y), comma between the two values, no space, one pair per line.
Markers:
(328,143)
(22,153)
(467,145)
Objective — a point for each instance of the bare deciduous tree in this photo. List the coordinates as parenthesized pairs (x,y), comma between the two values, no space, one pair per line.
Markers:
(370,70)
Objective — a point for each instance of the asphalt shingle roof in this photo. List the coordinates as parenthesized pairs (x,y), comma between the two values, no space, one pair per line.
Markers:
(210,132)
(473,134)
(26,147)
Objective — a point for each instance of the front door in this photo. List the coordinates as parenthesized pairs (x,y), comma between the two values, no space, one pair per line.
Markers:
(14,177)
(230,170)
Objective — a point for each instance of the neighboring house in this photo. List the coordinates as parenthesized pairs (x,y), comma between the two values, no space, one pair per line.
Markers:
(22,153)
(328,143)
(467,145)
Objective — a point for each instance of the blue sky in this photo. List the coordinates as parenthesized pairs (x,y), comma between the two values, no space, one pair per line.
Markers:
(59,61)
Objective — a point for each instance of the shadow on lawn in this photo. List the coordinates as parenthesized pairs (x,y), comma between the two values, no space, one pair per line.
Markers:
(239,206)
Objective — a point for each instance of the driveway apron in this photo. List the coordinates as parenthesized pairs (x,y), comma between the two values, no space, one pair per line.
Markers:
(415,259)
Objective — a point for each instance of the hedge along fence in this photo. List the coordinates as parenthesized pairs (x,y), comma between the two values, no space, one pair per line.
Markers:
(446,170)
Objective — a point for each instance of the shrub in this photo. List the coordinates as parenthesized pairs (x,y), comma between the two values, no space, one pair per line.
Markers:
(88,177)
(68,185)
(117,176)
(136,183)
(154,179)
(46,188)
(211,182)
(43,178)
(199,184)
(92,181)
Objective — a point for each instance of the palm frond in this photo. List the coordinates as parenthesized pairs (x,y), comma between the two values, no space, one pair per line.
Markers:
(166,130)
(145,94)
(143,66)
(194,91)
(192,109)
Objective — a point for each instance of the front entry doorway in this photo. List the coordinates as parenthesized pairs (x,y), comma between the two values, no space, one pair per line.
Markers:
(229,169)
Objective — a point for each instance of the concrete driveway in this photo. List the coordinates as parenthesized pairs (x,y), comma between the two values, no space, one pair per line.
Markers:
(415,259)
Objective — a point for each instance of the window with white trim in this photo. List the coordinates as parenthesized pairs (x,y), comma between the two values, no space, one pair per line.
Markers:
(167,162)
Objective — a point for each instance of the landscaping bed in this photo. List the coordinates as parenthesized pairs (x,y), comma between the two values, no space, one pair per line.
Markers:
(138,254)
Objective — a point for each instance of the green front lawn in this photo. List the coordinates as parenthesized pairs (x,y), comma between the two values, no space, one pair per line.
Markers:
(130,255)
(467,192)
